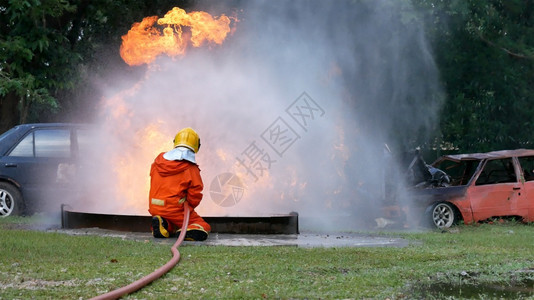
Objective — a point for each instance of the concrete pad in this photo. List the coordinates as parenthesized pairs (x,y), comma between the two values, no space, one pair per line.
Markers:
(304,240)
(307,240)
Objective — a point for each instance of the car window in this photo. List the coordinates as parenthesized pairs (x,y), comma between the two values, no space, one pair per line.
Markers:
(24,148)
(460,172)
(527,164)
(44,143)
(497,171)
(52,143)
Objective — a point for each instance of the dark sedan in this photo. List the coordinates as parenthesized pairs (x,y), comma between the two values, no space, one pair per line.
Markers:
(39,165)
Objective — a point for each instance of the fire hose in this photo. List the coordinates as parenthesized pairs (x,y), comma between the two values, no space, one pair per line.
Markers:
(140,283)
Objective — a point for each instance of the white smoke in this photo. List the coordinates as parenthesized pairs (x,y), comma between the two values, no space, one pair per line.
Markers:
(370,82)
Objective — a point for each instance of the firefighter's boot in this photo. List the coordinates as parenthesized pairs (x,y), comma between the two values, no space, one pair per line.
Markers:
(196,232)
(160,227)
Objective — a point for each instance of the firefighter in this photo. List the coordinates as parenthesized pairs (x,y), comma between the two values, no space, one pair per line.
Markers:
(174,179)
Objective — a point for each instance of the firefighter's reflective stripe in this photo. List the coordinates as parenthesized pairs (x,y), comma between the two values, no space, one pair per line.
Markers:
(158,202)
(196,226)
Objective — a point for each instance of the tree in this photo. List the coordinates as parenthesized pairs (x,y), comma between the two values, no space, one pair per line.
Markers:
(34,59)
(50,48)
(485,53)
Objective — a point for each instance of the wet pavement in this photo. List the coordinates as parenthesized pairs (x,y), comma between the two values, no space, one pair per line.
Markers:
(307,240)
(304,240)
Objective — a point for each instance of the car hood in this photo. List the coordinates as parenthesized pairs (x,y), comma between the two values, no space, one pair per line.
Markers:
(438,194)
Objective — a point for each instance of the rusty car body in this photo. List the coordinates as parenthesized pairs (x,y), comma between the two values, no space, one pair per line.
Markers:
(476,187)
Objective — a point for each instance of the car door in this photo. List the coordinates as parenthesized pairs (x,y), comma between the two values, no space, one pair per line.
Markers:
(43,162)
(526,204)
(89,177)
(497,190)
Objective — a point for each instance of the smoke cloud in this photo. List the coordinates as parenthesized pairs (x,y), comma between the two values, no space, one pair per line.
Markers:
(293,111)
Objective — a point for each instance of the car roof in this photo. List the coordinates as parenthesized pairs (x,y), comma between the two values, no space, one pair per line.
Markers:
(491,155)
(39,125)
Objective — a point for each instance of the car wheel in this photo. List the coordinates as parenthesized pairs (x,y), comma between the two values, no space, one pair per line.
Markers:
(443,215)
(10,200)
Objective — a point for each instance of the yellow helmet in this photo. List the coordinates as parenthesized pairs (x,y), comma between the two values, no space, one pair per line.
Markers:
(187,137)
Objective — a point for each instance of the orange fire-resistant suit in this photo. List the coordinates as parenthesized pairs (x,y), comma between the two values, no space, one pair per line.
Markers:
(171,182)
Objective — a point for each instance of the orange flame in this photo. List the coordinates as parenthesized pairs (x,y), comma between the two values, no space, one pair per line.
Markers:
(132,187)
(144,41)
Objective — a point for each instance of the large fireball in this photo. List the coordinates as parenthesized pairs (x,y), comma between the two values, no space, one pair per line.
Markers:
(171,35)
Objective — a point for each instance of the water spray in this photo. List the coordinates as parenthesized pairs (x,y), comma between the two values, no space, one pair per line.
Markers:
(368,69)
(140,283)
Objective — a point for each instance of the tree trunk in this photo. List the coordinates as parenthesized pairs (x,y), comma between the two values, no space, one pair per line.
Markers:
(9,114)
(24,109)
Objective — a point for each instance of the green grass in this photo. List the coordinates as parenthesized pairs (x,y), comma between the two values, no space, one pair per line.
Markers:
(36,264)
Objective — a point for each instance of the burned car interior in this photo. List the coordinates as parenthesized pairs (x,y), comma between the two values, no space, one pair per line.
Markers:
(459,171)
(448,171)
(527,164)
(497,171)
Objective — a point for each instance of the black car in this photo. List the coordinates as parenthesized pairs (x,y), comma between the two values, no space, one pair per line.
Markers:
(39,165)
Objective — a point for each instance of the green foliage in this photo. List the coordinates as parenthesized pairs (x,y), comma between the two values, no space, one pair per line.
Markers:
(485,53)
(49,48)
(36,58)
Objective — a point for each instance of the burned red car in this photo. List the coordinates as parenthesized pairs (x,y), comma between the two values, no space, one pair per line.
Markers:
(475,187)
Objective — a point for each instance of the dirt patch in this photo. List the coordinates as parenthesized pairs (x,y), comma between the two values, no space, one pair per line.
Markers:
(467,285)
(479,291)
